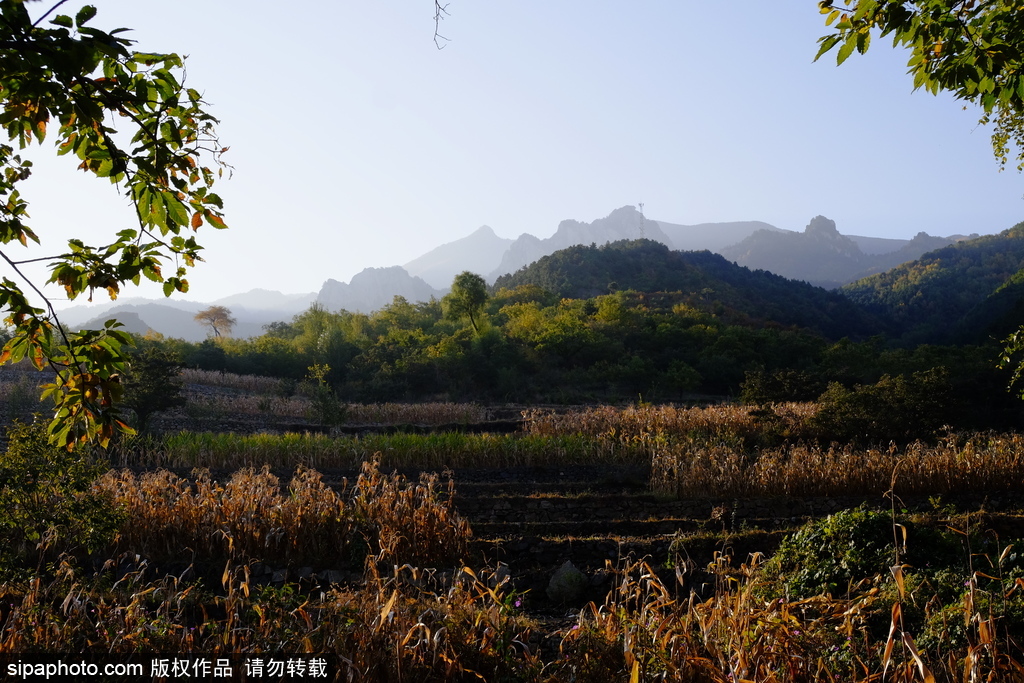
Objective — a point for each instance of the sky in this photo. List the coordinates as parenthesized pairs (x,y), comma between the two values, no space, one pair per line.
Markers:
(357,143)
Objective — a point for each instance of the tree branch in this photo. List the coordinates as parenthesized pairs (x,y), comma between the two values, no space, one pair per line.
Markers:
(48,13)
(440,12)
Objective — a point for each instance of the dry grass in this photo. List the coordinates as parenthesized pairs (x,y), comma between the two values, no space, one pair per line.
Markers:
(647,422)
(251,517)
(228,380)
(415,625)
(389,630)
(980,463)
(644,633)
(300,408)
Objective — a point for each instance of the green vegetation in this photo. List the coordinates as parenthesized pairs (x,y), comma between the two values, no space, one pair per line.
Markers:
(65,79)
(972,50)
(963,293)
(48,506)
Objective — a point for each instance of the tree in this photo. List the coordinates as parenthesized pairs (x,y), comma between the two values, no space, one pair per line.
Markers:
(74,83)
(153,384)
(219,319)
(971,48)
(467,298)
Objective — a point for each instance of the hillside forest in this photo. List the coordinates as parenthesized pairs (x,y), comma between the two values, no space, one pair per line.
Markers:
(634,320)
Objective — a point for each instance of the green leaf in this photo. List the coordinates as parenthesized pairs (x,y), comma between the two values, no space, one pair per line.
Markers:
(827,43)
(176,211)
(62,20)
(847,49)
(863,41)
(84,15)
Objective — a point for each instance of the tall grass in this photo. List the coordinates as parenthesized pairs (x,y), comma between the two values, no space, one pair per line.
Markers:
(980,463)
(255,384)
(201,403)
(252,517)
(405,625)
(644,422)
(426,451)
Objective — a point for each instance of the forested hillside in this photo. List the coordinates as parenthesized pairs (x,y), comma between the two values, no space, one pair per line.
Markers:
(704,280)
(966,292)
(627,320)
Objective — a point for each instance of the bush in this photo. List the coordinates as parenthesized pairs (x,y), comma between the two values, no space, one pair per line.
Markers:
(48,503)
(761,387)
(897,409)
(828,555)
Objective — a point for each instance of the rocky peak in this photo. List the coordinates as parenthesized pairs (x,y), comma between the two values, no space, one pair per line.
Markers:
(822,226)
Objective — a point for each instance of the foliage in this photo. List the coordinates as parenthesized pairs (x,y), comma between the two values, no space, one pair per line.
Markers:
(833,554)
(466,299)
(325,407)
(973,50)
(897,408)
(153,384)
(954,294)
(218,318)
(708,281)
(71,81)
(761,387)
(47,501)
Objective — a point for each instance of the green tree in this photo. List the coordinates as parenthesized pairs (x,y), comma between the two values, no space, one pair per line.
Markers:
(971,48)
(153,384)
(467,298)
(60,77)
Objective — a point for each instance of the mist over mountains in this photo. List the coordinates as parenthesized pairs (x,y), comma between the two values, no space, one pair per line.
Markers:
(820,255)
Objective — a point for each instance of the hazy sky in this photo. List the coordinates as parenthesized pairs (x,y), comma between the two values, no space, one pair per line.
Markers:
(356,142)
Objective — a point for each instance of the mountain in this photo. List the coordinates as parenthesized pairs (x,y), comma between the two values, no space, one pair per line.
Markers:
(625,223)
(480,252)
(373,288)
(268,300)
(712,236)
(969,291)
(171,321)
(174,317)
(822,256)
(707,281)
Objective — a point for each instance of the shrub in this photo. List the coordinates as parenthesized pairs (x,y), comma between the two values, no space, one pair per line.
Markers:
(827,555)
(893,409)
(47,500)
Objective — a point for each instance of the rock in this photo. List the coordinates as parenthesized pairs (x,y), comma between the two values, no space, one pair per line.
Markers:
(567,585)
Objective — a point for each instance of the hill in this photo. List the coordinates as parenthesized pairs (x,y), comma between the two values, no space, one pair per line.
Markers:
(373,288)
(965,292)
(480,252)
(710,282)
(822,256)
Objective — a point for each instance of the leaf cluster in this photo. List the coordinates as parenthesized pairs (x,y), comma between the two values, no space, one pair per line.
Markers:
(47,501)
(970,48)
(71,82)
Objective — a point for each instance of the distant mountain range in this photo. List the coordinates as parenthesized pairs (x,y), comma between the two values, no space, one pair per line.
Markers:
(175,317)
(820,255)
